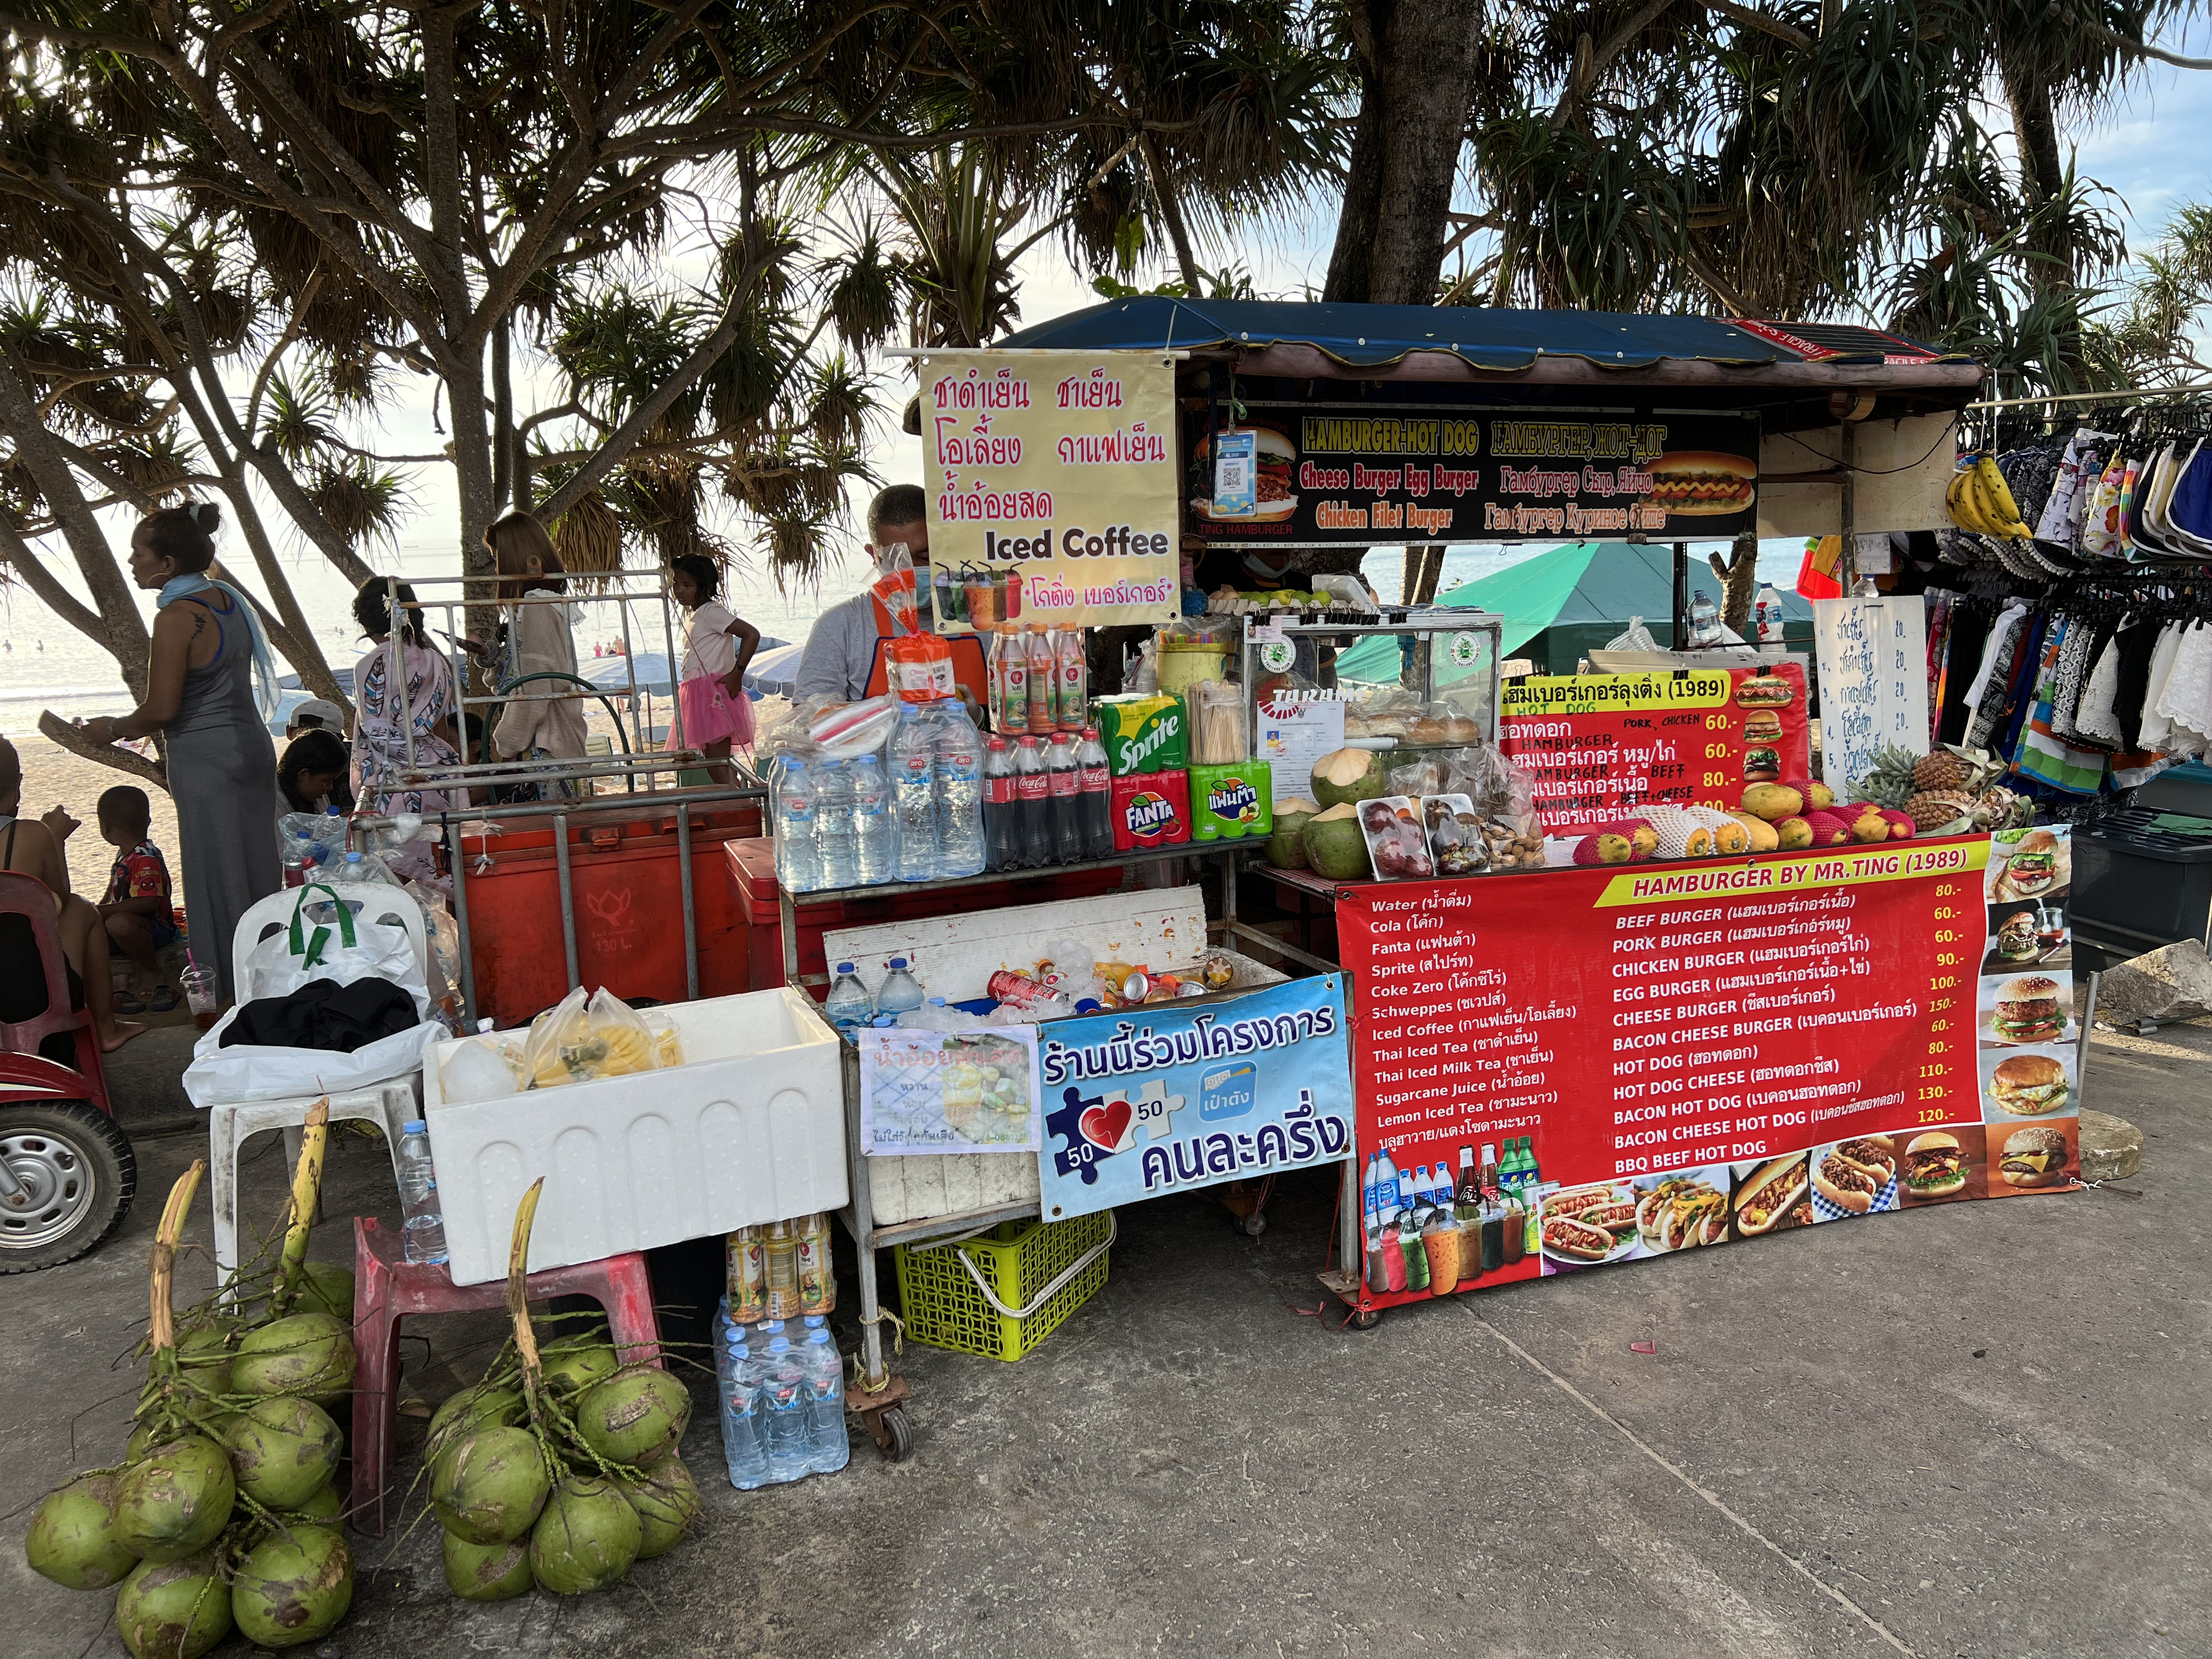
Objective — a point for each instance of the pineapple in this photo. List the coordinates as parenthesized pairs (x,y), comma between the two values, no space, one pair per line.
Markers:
(1998,809)
(1889,782)
(1945,769)
(1933,809)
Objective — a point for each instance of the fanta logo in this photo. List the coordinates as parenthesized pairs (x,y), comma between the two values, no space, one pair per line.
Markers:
(1148,812)
(1233,798)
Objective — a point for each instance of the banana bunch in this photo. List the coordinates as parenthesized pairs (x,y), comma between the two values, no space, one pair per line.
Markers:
(1980,500)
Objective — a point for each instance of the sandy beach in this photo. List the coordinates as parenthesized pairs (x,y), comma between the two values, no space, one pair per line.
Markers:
(54,777)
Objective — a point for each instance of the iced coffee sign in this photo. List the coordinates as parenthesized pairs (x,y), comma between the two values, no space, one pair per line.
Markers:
(1056,469)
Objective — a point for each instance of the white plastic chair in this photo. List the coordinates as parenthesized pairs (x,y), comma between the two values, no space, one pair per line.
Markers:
(231,1124)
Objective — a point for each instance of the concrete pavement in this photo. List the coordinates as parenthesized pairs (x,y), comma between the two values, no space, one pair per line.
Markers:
(1977,1429)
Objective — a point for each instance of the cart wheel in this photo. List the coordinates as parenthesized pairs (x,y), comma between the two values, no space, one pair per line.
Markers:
(76,1173)
(1366,1319)
(897,1441)
(1253,1224)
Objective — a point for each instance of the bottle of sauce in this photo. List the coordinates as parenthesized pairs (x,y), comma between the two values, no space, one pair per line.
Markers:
(1466,1209)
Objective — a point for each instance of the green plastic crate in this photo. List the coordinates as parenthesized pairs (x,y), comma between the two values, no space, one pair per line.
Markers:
(944,1308)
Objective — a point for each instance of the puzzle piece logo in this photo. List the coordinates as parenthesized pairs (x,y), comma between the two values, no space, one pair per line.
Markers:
(1092,1128)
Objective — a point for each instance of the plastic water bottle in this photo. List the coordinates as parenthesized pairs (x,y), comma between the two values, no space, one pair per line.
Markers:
(1767,610)
(833,826)
(744,1447)
(299,857)
(998,832)
(913,788)
(959,794)
(1063,783)
(829,1447)
(872,823)
(422,1233)
(785,1396)
(1096,797)
(1704,628)
(797,861)
(849,1003)
(900,990)
(1032,805)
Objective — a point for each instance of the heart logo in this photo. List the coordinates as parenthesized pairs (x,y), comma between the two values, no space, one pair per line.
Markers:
(1104,1126)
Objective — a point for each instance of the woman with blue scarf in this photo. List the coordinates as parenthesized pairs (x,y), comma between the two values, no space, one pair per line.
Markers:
(209,687)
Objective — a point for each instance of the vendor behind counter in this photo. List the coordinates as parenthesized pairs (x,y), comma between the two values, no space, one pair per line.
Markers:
(847,655)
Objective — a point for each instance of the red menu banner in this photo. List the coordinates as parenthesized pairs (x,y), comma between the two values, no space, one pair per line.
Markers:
(1578,1066)
(1602,746)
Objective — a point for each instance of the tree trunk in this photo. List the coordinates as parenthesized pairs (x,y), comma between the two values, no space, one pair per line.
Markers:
(1425,568)
(1416,63)
(1171,210)
(1739,574)
(2043,177)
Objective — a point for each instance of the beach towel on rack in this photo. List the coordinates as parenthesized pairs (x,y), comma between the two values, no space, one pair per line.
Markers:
(2041,754)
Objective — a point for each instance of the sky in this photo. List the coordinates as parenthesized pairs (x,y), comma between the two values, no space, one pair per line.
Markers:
(2152,152)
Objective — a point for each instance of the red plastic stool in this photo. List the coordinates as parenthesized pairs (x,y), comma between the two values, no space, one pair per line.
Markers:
(387,1289)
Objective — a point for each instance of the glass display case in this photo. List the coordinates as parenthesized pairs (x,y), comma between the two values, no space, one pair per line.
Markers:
(1442,662)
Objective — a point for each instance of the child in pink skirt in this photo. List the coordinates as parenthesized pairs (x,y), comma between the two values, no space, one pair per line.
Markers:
(717,645)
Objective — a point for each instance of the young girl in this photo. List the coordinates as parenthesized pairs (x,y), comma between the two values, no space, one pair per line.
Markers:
(717,645)
(544,717)
(311,775)
(399,655)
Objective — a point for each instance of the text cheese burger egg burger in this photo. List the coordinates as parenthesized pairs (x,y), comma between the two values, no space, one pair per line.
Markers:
(2029,1086)
(1935,1165)
(2034,1156)
(1703,483)
(2027,1009)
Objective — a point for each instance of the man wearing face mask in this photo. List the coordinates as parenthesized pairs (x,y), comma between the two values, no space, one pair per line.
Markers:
(846,656)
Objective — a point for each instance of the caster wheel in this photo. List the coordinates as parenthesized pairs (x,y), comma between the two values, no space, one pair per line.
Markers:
(1366,1320)
(898,1434)
(1253,1224)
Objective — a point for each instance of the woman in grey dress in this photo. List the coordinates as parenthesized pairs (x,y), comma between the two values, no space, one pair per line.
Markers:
(201,695)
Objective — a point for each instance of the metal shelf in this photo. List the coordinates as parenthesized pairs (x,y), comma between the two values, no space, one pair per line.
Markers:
(885,888)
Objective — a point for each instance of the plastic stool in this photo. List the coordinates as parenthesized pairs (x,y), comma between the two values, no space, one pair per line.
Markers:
(232,1124)
(387,1289)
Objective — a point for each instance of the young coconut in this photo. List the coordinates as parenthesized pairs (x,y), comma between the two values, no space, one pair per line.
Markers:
(173,1609)
(666,1501)
(1286,847)
(204,1354)
(284,1451)
(481,1406)
(310,1354)
(1334,846)
(490,1488)
(586,1538)
(487,1572)
(1345,775)
(72,1538)
(324,1504)
(573,1364)
(175,1503)
(325,1287)
(635,1417)
(293,1587)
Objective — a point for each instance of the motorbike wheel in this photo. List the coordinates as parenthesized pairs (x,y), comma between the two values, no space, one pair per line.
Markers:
(80,1176)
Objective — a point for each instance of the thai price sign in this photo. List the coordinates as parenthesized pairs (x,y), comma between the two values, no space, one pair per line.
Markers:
(1325,475)
(1593,1066)
(1600,745)
(1059,468)
(1873,654)
(1166,1097)
(947,1091)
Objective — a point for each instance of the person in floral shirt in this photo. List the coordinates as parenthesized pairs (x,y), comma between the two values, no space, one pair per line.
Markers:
(136,911)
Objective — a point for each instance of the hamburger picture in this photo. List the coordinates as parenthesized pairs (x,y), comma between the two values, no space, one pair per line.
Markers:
(1762,727)
(1935,1166)
(1703,483)
(2027,1010)
(2034,1156)
(1273,456)
(1761,765)
(2015,940)
(2028,1085)
(2034,867)
(1764,691)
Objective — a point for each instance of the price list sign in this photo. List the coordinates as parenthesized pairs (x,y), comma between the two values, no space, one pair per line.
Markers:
(1602,746)
(1671,1056)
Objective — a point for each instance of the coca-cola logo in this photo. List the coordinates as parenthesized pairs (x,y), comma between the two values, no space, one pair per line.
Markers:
(1149,814)
(1233,798)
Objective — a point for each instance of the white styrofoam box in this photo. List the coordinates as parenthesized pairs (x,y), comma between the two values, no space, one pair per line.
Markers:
(953,957)
(750,1129)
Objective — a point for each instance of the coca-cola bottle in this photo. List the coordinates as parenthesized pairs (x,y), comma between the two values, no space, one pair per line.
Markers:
(1000,836)
(1066,801)
(1032,805)
(1095,796)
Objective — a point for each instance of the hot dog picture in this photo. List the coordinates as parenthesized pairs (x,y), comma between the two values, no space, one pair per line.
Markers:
(1575,1241)
(1702,483)
(1845,1185)
(1763,691)
(1768,1194)
(1874,1154)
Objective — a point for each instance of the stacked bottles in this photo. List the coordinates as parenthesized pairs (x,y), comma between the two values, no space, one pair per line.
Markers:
(1063,788)
(422,1229)
(871,824)
(959,780)
(1032,806)
(833,826)
(738,1379)
(1094,795)
(1039,678)
(913,790)
(1001,836)
(827,1448)
(797,859)
(784,1398)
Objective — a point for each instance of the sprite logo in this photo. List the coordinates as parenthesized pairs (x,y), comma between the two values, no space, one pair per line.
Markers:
(1158,731)
(1149,814)
(1233,798)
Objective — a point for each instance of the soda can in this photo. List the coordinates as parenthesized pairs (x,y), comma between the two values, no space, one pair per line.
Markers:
(748,1274)
(818,1282)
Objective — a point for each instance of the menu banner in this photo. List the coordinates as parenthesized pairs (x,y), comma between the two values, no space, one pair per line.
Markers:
(1600,746)
(1169,1097)
(1873,654)
(1326,474)
(1680,1055)
(1058,467)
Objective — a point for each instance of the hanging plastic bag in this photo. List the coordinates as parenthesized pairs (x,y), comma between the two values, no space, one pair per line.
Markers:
(564,1025)
(624,1044)
(922,668)
(894,588)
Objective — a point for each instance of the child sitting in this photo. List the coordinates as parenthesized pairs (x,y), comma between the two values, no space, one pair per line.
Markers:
(135,910)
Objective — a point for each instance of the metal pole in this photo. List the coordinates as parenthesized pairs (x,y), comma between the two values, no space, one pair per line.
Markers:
(1680,641)
(461,917)
(568,896)
(675,681)
(1847,567)
(691,920)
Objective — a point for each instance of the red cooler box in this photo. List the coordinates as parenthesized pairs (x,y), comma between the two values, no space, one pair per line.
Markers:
(628,892)
(751,880)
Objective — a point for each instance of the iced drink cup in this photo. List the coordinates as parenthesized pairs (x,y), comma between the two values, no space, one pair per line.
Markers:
(1441,1242)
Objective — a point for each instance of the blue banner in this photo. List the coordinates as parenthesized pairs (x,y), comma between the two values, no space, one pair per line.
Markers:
(1169,1097)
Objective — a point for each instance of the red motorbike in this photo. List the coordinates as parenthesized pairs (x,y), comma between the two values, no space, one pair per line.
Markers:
(67,1172)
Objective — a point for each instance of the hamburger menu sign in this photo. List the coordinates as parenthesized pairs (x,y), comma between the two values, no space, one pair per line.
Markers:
(1327,474)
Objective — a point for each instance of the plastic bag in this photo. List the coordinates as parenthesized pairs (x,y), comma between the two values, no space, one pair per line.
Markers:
(845,730)
(481,1068)
(564,1025)
(667,1041)
(1637,638)
(922,668)
(894,586)
(1344,591)
(625,1044)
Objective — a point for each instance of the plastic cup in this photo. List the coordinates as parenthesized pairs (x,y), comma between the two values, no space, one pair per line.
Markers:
(203,995)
